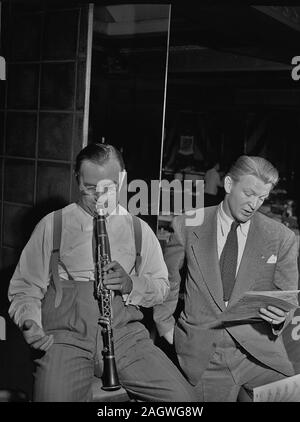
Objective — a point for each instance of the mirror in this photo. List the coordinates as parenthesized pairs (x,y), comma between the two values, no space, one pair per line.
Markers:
(127,90)
(230,92)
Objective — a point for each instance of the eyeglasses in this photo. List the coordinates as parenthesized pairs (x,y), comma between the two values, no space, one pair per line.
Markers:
(90,190)
(93,190)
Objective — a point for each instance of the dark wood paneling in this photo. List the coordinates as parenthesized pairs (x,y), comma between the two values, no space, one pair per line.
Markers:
(22,82)
(19,181)
(16,229)
(25,40)
(21,134)
(55,136)
(57,86)
(60,36)
(53,184)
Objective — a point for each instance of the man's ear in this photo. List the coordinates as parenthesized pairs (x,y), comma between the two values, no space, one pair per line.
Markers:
(228,184)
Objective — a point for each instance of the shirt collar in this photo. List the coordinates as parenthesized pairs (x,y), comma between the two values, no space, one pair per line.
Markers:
(226,221)
(86,220)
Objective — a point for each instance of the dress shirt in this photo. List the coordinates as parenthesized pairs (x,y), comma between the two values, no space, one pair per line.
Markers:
(31,277)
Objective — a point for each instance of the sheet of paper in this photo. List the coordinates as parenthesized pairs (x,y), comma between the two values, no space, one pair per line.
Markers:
(248,306)
(285,390)
(287,295)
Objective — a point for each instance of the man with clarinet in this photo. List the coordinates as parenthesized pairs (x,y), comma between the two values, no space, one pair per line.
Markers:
(58,278)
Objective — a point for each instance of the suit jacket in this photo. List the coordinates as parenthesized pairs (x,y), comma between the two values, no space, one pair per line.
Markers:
(203,291)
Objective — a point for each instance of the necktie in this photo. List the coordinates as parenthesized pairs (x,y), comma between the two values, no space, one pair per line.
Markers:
(228,261)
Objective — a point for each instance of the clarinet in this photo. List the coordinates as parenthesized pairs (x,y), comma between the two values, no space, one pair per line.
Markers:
(110,380)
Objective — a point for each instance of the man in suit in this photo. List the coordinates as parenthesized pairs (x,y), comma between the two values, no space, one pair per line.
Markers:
(233,250)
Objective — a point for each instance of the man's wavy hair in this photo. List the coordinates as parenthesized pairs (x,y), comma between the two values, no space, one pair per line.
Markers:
(255,166)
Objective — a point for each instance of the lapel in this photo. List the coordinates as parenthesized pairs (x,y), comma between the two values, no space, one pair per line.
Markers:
(251,257)
(204,248)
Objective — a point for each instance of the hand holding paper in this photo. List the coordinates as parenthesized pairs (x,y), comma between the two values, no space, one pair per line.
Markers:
(273,315)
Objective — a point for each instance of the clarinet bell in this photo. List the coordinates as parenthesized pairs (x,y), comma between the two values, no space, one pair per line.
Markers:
(110,380)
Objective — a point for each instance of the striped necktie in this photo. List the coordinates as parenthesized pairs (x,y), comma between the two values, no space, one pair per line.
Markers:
(228,261)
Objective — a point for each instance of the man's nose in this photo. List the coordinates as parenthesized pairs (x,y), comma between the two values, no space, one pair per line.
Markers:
(253,203)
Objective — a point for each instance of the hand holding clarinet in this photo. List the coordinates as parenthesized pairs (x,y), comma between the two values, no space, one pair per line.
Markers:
(115,278)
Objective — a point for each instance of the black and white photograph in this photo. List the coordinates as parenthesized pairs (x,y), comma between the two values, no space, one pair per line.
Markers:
(150,205)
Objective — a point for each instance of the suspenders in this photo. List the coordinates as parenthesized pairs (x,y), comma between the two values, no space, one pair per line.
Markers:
(137,229)
(55,256)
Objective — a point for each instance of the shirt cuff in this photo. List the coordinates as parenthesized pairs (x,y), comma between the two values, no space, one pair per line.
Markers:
(136,295)
(165,327)
(28,311)
(277,329)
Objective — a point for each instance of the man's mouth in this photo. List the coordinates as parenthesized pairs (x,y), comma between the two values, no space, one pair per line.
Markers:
(246,212)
